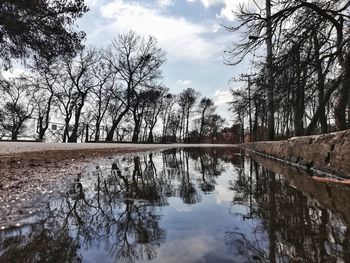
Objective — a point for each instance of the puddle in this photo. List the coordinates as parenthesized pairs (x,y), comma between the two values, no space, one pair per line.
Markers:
(182,205)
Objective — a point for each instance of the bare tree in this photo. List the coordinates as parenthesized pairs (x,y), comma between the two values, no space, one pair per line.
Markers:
(137,63)
(66,100)
(138,108)
(310,49)
(102,94)
(186,101)
(46,74)
(215,123)
(205,109)
(79,73)
(169,101)
(18,106)
(153,111)
(174,122)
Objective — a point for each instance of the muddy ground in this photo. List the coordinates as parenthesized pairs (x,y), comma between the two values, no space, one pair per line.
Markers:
(28,178)
(31,172)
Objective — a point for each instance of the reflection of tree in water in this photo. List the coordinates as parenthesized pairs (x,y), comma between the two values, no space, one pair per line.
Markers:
(39,245)
(294,228)
(121,213)
(206,161)
(209,166)
(245,250)
(118,208)
(210,163)
(188,191)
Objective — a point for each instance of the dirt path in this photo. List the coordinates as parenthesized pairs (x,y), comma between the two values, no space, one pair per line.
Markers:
(9,148)
(29,171)
(22,154)
(20,161)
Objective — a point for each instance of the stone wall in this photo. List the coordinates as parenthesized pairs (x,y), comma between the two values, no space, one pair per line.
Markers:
(329,152)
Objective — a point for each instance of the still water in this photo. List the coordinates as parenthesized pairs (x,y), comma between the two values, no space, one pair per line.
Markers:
(180,205)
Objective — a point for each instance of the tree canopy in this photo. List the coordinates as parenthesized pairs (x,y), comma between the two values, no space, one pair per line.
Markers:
(39,28)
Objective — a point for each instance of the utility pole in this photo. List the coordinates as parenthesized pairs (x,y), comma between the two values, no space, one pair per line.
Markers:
(270,86)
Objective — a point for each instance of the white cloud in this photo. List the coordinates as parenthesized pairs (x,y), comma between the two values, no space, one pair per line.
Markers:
(208,3)
(181,38)
(184,82)
(91,3)
(231,6)
(165,3)
(221,97)
(13,73)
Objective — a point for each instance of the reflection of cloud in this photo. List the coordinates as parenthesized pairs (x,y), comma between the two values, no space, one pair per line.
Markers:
(184,82)
(192,249)
(178,36)
(223,194)
(222,97)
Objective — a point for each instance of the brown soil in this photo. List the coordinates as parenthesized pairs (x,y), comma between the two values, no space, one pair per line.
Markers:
(28,177)
(58,157)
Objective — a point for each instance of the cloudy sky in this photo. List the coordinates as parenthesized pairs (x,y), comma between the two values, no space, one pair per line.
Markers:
(190,31)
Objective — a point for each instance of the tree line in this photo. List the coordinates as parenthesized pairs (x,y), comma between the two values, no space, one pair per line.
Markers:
(116,90)
(310,69)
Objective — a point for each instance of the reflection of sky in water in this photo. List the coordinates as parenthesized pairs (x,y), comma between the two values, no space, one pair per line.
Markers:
(196,232)
(179,206)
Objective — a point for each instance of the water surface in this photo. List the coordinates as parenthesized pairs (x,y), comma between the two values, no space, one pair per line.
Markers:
(181,205)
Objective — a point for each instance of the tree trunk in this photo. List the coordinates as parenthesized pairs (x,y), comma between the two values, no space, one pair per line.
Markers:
(87,132)
(298,115)
(320,85)
(115,124)
(136,132)
(349,113)
(14,135)
(187,121)
(343,96)
(181,125)
(256,124)
(97,133)
(65,132)
(41,128)
(323,117)
(74,136)
(299,100)
(322,105)
(150,135)
(270,86)
(137,127)
(110,133)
